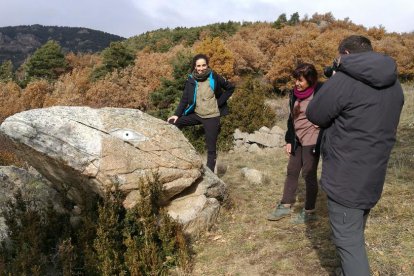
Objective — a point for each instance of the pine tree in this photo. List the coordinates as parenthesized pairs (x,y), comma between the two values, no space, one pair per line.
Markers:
(280,22)
(47,62)
(116,56)
(166,98)
(6,71)
(294,19)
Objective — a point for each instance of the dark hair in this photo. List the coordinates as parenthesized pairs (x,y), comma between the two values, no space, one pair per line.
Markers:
(307,71)
(197,57)
(355,44)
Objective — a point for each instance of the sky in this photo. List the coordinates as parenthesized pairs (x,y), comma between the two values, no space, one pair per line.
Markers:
(133,17)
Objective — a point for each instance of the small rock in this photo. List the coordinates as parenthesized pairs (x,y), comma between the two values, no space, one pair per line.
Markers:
(264,129)
(254,148)
(252,175)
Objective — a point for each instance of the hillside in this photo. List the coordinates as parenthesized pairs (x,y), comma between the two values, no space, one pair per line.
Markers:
(18,42)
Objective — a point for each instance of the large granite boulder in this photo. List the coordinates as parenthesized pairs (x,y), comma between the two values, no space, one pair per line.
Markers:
(83,151)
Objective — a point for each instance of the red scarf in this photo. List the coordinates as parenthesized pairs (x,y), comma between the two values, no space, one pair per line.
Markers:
(305,93)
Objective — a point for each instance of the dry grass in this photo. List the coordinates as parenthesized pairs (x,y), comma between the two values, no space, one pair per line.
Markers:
(243,242)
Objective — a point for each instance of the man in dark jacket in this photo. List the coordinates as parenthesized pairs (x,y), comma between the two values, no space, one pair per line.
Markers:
(359,107)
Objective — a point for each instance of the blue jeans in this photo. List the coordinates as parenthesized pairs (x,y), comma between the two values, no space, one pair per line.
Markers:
(348,227)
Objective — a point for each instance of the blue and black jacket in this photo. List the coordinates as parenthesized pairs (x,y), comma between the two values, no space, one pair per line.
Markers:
(222,88)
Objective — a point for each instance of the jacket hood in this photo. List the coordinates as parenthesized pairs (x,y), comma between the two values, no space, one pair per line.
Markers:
(375,69)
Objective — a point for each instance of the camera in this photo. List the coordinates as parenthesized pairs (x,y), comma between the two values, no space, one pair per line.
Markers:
(329,70)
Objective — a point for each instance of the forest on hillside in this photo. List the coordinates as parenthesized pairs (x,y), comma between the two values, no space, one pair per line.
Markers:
(19,42)
(148,71)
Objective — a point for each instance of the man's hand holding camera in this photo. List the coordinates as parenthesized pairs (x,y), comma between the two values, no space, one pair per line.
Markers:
(329,71)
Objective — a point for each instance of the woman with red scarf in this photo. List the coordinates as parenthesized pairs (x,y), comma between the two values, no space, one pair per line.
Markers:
(302,146)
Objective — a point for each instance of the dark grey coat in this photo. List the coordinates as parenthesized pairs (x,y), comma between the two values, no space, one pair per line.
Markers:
(360,108)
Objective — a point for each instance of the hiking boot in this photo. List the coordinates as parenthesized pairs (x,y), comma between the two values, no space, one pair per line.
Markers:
(304,217)
(279,212)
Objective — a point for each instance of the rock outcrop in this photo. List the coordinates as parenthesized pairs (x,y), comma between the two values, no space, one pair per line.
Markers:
(262,138)
(197,207)
(83,151)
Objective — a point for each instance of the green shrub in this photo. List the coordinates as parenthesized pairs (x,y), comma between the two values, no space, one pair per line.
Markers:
(155,243)
(248,109)
(108,241)
(33,232)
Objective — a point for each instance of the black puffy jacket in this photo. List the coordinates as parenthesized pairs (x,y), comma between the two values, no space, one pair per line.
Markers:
(360,108)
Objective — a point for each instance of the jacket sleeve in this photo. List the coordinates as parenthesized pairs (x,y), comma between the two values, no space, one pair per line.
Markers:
(183,102)
(290,132)
(328,103)
(228,89)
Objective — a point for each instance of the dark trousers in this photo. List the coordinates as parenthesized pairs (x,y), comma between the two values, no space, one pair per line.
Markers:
(348,227)
(211,130)
(303,159)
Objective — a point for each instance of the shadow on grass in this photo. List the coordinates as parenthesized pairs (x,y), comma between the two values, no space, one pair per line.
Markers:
(319,234)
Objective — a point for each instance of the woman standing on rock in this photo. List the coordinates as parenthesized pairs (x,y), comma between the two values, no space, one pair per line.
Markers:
(302,146)
(204,101)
